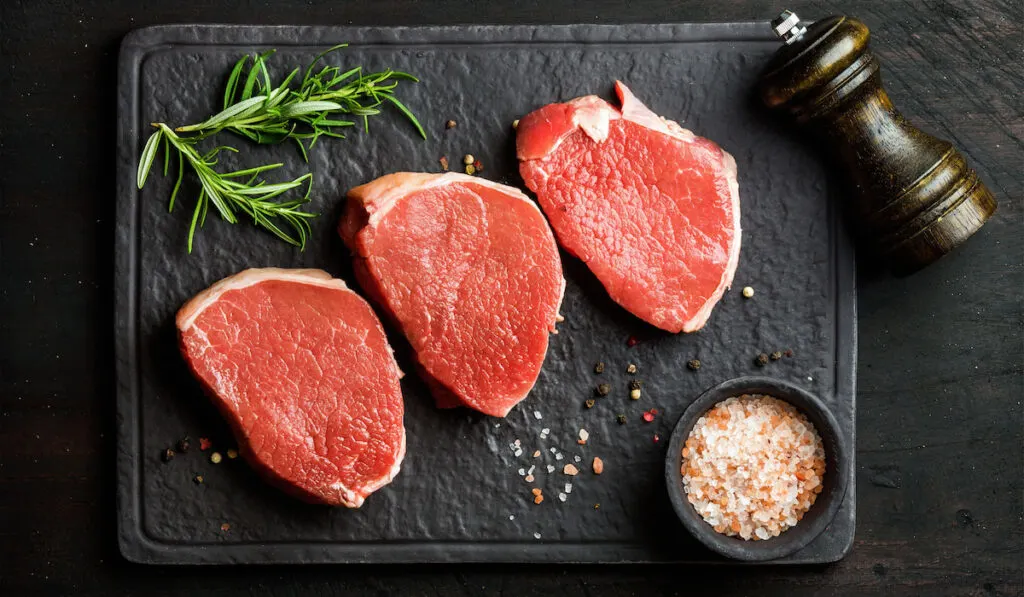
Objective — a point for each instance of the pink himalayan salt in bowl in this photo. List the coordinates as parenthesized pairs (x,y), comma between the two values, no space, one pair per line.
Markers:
(829,489)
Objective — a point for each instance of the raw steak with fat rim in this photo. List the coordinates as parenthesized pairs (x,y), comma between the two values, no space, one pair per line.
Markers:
(651,208)
(468,269)
(300,366)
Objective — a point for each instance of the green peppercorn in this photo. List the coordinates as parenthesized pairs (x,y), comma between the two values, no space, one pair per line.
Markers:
(693,365)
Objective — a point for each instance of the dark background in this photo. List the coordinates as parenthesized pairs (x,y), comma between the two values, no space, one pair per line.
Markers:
(940,455)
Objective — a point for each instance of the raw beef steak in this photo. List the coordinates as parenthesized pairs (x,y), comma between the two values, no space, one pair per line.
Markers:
(651,208)
(469,271)
(299,365)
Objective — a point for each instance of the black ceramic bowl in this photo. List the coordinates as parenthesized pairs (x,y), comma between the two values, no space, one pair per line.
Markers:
(836,478)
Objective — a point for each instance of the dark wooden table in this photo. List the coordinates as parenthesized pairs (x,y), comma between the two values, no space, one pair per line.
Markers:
(940,455)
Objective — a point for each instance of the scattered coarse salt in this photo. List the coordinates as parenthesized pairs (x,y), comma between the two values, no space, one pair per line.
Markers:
(544,433)
(752,466)
(554,450)
(536,454)
(536,535)
(522,472)
(584,434)
(568,487)
(518,452)
(561,497)
(530,472)
(551,468)
(517,443)
(511,516)
(577,458)
(558,456)
(537,415)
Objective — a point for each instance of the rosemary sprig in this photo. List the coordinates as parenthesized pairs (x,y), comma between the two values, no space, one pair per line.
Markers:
(264,113)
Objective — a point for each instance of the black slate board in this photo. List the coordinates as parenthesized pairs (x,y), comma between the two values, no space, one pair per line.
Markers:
(459,489)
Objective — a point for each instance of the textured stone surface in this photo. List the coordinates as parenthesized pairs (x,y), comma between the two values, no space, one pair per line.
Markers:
(460,482)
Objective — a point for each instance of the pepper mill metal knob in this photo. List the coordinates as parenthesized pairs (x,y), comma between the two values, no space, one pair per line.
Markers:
(913,197)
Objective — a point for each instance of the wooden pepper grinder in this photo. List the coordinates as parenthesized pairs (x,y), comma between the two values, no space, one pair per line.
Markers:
(914,198)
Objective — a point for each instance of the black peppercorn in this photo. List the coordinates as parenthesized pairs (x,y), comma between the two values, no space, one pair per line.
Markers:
(599,368)
(603,389)
(761,360)
(184,444)
(167,455)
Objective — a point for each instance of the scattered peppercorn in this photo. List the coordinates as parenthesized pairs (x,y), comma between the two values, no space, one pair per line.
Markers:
(693,365)
(599,368)
(205,444)
(631,369)
(656,438)
(597,506)
(225,527)
(215,458)
(621,419)
(184,444)
(470,170)
(788,353)
(478,165)
(232,453)
(450,124)
(776,355)
(469,159)
(649,415)
(444,163)
(761,360)
(632,341)
(635,384)
(590,403)
(748,292)
(634,394)
(167,455)
(603,389)
(515,123)
(198,479)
